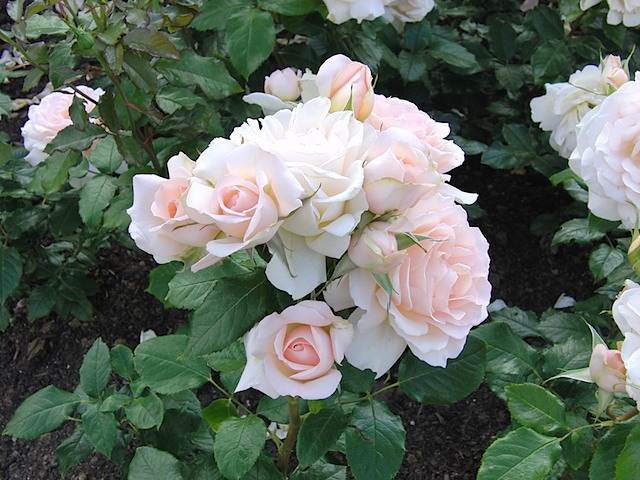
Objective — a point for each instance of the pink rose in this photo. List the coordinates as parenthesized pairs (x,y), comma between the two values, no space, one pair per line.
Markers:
(283,84)
(293,352)
(244,191)
(607,369)
(440,291)
(614,73)
(348,84)
(51,116)
(397,173)
(391,112)
(160,225)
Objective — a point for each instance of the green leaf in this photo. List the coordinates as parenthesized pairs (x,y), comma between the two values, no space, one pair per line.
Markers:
(10,271)
(101,429)
(238,444)
(159,279)
(417,35)
(149,463)
(42,412)
(229,359)
(5,318)
(437,385)
(615,33)
(53,173)
(604,260)
(95,197)
(511,77)
(319,433)
(189,290)
(275,409)
(291,7)
(577,447)
(627,465)
(140,72)
(547,22)
(522,453)
(146,411)
(576,230)
(70,138)
(610,446)
(114,402)
(263,469)
(551,62)
(73,450)
(569,355)
(321,471)
(5,105)
(214,14)
(375,442)
(523,323)
(95,369)
(152,42)
(161,364)
(412,65)
(537,408)
(122,361)
(509,358)
(355,380)
(231,309)
(218,411)
(45,24)
(62,62)
(559,327)
(170,99)
(502,39)
(452,53)
(105,156)
(250,37)
(208,73)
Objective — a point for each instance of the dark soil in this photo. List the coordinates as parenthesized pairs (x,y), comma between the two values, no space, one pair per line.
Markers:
(442,441)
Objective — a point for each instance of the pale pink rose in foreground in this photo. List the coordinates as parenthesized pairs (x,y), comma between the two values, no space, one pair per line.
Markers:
(376,247)
(389,112)
(283,84)
(244,192)
(440,291)
(160,225)
(607,369)
(626,308)
(608,145)
(49,117)
(341,11)
(348,84)
(325,152)
(397,172)
(293,352)
(399,12)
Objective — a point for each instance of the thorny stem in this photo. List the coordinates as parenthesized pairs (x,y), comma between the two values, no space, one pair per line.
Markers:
(284,452)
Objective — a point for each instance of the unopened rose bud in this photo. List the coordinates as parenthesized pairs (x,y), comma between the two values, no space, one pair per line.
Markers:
(283,84)
(376,249)
(347,84)
(607,369)
(614,73)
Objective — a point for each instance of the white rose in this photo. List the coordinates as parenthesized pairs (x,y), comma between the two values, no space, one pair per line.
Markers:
(51,116)
(399,12)
(325,152)
(608,145)
(341,11)
(626,12)
(565,105)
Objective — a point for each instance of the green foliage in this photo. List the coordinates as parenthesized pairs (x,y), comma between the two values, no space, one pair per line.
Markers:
(239,442)
(319,433)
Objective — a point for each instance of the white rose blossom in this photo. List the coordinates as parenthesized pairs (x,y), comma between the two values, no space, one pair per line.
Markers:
(606,155)
(626,12)
(626,314)
(341,11)
(325,152)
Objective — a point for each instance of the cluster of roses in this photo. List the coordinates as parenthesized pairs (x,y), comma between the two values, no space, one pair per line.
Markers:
(344,174)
